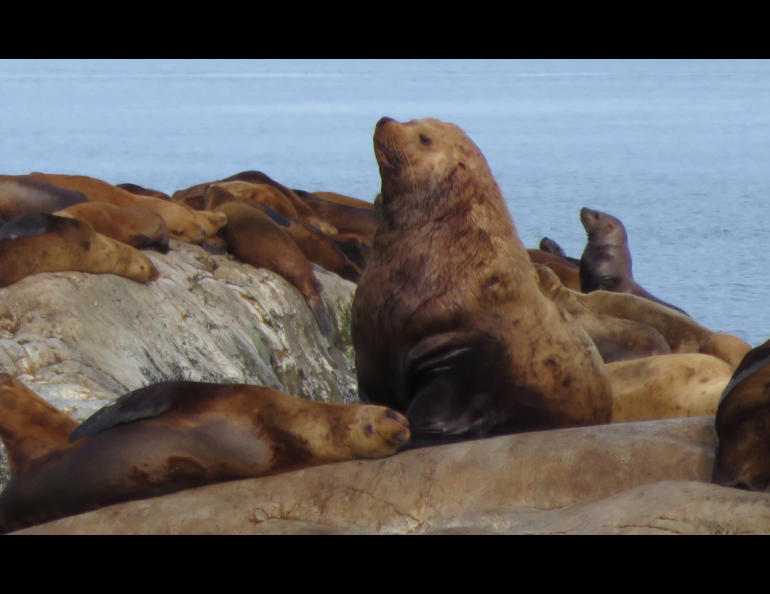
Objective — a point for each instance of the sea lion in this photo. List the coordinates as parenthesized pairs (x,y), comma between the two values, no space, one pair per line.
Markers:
(606,261)
(550,246)
(448,322)
(139,227)
(567,272)
(315,245)
(666,387)
(254,238)
(169,437)
(38,242)
(262,193)
(357,248)
(743,425)
(184,224)
(21,195)
(615,339)
(347,219)
(140,191)
(345,200)
(681,332)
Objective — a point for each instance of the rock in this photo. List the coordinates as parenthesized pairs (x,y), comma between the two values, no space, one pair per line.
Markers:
(82,340)
(423,490)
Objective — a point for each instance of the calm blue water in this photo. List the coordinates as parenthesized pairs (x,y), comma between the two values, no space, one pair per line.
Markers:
(678,150)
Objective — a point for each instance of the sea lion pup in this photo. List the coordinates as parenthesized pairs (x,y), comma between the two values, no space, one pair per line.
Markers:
(346,219)
(38,242)
(315,245)
(184,224)
(666,387)
(448,322)
(136,226)
(743,425)
(21,195)
(140,191)
(606,261)
(345,200)
(681,332)
(262,193)
(169,437)
(254,238)
(615,339)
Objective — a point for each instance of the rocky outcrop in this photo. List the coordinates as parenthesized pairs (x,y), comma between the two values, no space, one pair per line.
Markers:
(81,340)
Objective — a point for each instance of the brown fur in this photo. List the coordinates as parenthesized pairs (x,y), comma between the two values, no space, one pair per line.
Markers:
(344,200)
(170,437)
(136,226)
(140,191)
(347,219)
(21,195)
(449,324)
(262,193)
(68,245)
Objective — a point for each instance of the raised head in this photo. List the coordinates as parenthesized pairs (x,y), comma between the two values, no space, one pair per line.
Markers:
(601,225)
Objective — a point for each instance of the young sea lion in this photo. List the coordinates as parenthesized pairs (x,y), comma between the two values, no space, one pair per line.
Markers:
(169,437)
(37,242)
(743,425)
(448,322)
(606,261)
(21,195)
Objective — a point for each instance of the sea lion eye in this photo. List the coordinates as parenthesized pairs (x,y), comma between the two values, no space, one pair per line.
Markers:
(425,140)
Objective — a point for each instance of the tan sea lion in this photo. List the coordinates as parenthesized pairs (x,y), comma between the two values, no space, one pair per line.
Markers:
(347,219)
(183,223)
(169,437)
(38,242)
(606,261)
(550,246)
(448,322)
(681,332)
(345,200)
(262,193)
(254,238)
(743,425)
(615,339)
(140,191)
(139,227)
(21,195)
(567,272)
(667,387)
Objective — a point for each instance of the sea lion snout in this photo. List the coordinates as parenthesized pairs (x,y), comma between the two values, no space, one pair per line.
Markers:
(382,122)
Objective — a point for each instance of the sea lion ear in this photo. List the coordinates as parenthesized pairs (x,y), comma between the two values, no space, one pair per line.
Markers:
(461,165)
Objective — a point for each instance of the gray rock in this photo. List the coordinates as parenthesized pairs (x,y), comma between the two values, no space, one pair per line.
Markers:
(81,340)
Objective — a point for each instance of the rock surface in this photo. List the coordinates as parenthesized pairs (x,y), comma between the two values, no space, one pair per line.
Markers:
(81,340)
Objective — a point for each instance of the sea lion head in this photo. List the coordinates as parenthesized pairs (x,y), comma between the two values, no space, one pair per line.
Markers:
(375,431)
(600,225)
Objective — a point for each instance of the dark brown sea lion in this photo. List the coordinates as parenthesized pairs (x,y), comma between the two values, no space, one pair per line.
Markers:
(448,322)
(140,191)
(137,226)
(606,261)
(254,238)
(357,248)
(342,199)
(550,246)
(262,193)
(743,425)
(347,219)
(38,242)
(169,437)
(615,339)
(315,245)
(21,195)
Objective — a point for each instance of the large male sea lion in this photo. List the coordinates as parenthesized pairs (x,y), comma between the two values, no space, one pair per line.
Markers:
(606,261)
(169,437)
(137,226)
(39,242)
(21,195)
(448,322)
(743,425)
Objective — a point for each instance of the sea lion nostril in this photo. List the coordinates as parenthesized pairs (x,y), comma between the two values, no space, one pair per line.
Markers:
(392,415)
(383,121)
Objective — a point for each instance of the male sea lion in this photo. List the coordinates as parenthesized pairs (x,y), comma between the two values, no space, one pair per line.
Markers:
(139,227)
(39,242)
(169,437)
(615,339)
(184,224)
(342,199)
(346,219)
(681,332)
(254,238)
(140,191)
(743,425)
(448,322)
(606,261)
(666,387)
(20,195)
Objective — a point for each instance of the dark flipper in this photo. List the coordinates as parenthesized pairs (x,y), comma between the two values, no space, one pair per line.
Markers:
(34,224)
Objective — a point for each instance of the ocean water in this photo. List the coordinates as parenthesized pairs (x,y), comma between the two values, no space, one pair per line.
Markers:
(678,150)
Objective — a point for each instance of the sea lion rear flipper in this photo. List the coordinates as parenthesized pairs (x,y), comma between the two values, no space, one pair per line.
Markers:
(29,426)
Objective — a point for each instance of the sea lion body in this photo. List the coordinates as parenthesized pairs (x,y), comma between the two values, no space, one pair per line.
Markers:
(262,193)
(140,191)
(177,435)
(347,219)
(743,425)
(139,227)
(667,387)
(344,200)
(21,195)
(448,323)
(606,261)
(38,242)
(566,270)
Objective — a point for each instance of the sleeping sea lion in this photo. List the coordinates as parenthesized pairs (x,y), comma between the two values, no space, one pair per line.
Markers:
(267,195)
(550,246)
(448,323)
(38,242)
(169,437)
(345,200)
(347,219)
(21,195)
(606,261)
(140,191)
